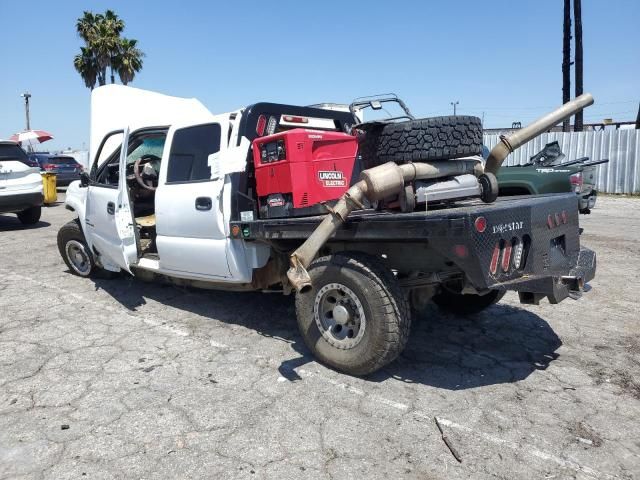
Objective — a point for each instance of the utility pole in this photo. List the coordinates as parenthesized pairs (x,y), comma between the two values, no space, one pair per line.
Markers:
(27,96)
(566,60)
(454,106)
(577,17)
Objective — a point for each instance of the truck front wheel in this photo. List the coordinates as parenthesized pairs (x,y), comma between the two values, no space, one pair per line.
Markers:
(463,304)
(74,250)
(355,318)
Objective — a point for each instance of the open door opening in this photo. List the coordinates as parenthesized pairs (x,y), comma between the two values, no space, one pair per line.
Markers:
(142,169)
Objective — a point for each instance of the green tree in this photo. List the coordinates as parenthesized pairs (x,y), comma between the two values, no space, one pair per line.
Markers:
(114,26)
(105,49)
(85,64)
(128,62)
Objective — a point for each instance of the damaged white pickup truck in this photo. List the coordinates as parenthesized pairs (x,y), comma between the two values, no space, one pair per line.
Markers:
(313,201)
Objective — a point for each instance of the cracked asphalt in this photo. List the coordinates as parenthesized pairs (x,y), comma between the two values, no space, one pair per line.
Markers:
(125,379)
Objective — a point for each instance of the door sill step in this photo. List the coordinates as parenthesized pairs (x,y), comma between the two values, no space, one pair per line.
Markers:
(149,263)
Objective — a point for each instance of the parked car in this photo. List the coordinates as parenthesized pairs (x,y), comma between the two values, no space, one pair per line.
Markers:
(66,168)
(20,184)
(30,161)
(547,173)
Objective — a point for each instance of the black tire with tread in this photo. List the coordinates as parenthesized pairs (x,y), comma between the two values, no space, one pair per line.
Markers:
(422,140)
(72,231)
(489,187)
(387,313)
(30,216)
(466,304)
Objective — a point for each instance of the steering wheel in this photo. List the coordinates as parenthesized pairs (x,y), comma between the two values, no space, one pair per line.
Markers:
(143,178)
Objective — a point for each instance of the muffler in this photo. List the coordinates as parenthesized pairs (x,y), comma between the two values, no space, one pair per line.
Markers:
(509,143)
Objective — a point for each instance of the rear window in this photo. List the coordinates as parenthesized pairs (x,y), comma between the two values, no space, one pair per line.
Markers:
(62,160)
(191,147)
(9,151)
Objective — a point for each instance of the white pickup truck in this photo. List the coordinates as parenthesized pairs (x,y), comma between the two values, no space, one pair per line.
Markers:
(20,184)
(171,194)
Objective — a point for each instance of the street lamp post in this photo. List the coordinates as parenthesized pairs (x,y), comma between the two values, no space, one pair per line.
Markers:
(27,96)
(454,106)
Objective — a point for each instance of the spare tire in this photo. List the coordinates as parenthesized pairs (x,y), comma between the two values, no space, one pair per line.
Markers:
(422,140)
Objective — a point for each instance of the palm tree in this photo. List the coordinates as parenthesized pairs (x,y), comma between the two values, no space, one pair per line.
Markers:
(86,24)
(104,48)
(86,66)
(128,62)
(104,45)
(114,27)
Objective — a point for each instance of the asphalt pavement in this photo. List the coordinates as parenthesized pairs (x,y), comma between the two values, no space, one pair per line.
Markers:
(126,379)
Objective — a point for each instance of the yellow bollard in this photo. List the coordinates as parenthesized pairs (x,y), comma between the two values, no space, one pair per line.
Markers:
(49,188)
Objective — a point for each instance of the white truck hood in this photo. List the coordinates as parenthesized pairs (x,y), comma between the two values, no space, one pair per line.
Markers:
(114,107)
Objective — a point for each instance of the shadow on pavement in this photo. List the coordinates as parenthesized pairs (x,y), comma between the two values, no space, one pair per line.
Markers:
(503,344)
(9,222)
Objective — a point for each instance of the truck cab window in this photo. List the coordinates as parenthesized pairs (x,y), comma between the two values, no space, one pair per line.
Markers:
(188,160)
(106,167)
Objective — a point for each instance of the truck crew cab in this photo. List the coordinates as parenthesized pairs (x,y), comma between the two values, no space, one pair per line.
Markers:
(217,201)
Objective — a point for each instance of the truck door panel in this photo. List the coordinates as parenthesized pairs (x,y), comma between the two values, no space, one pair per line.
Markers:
(108,220)
(190,226)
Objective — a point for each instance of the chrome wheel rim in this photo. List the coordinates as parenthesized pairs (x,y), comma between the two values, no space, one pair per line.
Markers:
(78,257)
(339,316)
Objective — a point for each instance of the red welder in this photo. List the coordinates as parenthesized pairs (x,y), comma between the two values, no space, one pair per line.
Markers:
(298,169)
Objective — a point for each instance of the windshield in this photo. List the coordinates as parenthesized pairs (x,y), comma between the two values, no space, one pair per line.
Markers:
(10,151)
(151,145)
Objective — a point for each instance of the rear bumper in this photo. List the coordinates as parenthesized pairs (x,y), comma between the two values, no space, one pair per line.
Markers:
(556,288)
(19,202)
(587,202)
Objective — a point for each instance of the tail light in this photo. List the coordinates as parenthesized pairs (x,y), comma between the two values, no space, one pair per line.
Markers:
(48,166)
(271,125)
(480,224)
(576,182)
(517,254)
(506,257)
(260,125)
(295,119)
(493,266)
(460,251)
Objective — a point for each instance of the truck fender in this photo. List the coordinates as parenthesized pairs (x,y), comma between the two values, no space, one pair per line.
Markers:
(75,201)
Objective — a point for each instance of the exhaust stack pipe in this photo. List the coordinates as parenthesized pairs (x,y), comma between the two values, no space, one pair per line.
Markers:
(375,184)
(508,144)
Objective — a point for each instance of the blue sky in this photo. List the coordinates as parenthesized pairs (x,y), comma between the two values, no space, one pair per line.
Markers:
(496,56)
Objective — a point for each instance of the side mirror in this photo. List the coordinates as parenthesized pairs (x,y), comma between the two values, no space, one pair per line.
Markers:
(84,179)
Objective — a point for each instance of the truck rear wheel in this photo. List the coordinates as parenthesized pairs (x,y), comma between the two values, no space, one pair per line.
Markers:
(423,140)
(355,317)
(464,304)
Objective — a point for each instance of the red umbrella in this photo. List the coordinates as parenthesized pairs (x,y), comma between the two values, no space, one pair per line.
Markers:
(31,136)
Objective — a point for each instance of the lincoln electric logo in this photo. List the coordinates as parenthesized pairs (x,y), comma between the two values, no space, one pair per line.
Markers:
(332,178)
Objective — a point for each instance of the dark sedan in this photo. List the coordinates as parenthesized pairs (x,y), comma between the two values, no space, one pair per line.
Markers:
(66,168)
